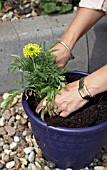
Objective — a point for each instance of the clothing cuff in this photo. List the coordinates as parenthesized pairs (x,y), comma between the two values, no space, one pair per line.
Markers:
(92,4)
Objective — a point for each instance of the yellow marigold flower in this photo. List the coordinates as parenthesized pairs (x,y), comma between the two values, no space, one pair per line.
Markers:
(31,50)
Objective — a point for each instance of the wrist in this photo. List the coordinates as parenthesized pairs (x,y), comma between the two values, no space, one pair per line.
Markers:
(69,50)
(83,90)
(92,86)
(69,39)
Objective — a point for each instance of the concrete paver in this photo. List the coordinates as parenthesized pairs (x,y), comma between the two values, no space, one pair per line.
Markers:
(97,43)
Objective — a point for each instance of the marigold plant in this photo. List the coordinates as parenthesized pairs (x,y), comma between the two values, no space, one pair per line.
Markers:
(41,75)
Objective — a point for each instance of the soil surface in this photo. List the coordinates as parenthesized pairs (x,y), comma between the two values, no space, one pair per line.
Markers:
(93,113)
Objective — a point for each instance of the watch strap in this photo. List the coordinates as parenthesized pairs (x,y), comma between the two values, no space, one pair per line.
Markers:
(83,91)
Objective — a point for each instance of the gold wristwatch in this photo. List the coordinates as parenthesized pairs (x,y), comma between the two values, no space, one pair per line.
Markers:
(83,91)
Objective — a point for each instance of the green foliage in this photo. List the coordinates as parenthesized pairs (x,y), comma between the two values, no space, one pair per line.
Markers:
(49,6)
(55,6)
(1,3)
(41,74)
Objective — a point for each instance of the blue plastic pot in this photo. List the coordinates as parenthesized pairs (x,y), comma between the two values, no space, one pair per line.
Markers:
(67,147)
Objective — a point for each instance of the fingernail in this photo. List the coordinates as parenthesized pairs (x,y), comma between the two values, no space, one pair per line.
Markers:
(38,111)
(44,103)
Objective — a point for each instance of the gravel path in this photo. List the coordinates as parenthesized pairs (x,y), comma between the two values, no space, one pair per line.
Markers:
(18,148)
(19,9)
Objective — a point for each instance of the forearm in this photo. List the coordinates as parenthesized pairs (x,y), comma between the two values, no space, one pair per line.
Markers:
(82,22)
(96,82)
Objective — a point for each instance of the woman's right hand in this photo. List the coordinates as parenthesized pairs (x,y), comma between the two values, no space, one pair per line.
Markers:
(63,55)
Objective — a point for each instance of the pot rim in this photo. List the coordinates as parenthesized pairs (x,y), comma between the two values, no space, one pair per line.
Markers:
(31,115)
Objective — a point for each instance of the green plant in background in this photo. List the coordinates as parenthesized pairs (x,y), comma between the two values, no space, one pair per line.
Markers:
(47,6)
(55,6)
(41,74)
(1,3)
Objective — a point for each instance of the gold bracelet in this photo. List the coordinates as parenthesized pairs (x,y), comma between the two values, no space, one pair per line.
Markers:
(71,57)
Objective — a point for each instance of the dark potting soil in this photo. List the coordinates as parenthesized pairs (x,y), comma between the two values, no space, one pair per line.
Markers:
(93,113)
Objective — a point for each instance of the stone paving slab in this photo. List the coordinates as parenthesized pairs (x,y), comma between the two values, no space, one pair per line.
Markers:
(8,45)
(97,43)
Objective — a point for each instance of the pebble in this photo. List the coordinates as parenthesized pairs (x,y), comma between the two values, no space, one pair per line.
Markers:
(1,166)
(40,161)
(39,152)
(75,8)
(47,168)
(1,142)
(29,125)
(50,164)
(10,130)
(38,166)
(13,145)
(31,156)
(34,13)
(27,10)
(11,121)
(98,168)
(13,153)
(32,167)
(6,114)
(7,16)
(28,150)
(104,157)
(23,167)
(18,117)
(24,133)
(2,121)
(6,146)
(23,121)
(12,111)
(10,164)
(7,151)
(23,161)
(24,115)
(14,102)
(2,131)
(28,138)
(10,140)
(5,95)
(16,139)
(6,158)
